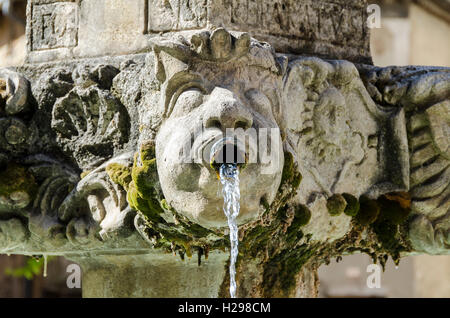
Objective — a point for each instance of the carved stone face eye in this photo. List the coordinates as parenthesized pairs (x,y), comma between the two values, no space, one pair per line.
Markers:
(187,101)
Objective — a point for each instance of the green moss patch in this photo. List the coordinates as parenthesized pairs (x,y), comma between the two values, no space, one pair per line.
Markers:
(369,210)
(281,271)
(119,174)
(290,174)
(16,179)
(336,205)
(395,208)
(302,216)
(353,206)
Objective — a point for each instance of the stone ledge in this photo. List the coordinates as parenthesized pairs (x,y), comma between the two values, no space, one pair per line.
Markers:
(66,29)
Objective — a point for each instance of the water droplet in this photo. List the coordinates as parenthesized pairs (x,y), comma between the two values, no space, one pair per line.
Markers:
(45,265)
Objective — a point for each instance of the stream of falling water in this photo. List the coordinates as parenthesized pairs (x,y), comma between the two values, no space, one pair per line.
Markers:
(229,177)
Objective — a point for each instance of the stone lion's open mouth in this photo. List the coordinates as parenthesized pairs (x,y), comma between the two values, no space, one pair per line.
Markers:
(227,151)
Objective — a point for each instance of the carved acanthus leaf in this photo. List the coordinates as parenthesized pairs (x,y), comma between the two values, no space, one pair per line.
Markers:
(91,124)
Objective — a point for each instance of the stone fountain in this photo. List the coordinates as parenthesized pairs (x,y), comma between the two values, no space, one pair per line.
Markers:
(96,125)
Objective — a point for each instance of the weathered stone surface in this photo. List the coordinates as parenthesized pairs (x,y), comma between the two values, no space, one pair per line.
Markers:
(14,91)
(175,15)
(424,94)
(54,25)
(335,29)
(90,123)
(68,29)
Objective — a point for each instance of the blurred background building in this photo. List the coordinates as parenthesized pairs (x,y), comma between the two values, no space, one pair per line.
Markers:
(413,32)
(12,32)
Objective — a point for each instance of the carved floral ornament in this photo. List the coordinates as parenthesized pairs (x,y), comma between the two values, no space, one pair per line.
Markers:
(88,151)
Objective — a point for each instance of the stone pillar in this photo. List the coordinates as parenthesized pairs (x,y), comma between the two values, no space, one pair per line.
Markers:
(95,126)
(158,275)
(152,275)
